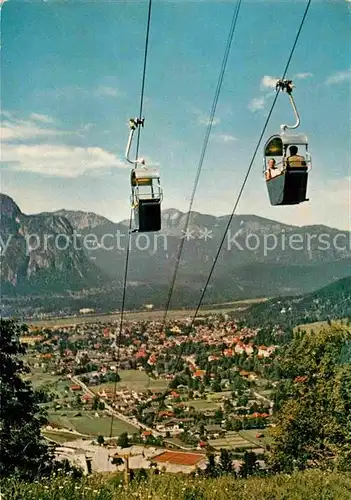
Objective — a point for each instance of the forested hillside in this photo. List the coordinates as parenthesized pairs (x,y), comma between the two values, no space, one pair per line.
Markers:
(330,302)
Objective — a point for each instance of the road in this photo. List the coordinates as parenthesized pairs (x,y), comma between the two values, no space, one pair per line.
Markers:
(111,410)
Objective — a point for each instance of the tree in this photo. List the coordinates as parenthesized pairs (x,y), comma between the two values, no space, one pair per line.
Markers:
(211,467)
(117,461)
(123,440)
(243,400)
(314,421)
(225,462)
(219,415)
(95,403)
(77,401)
(249,465)
(100,440)
(216,386)
(238,425)
(23,451)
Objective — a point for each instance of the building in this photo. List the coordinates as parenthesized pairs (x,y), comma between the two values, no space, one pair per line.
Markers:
(178,461)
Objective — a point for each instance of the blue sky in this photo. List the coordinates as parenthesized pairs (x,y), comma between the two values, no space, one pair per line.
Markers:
(71,78)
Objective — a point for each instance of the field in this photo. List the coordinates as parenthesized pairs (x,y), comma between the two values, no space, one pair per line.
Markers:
(318,326)
(56,384)
(89,424)
(306,485)
(178,442)
(250,435)
(220,395)
(231,441)
(40,379)
(133,380)
(213,401)
(202,405)
(60,436)
(146,315)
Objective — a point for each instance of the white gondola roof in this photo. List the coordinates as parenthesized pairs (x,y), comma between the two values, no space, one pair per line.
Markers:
(146,173)
(289,138)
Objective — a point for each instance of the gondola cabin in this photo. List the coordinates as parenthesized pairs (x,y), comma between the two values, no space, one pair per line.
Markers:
(286,165)
(146,199)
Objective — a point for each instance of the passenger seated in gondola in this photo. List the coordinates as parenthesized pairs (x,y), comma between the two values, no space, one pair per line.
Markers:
(295,160)
(272,170)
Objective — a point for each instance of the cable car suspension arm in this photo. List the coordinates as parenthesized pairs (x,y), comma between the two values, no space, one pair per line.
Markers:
(288,86)
(133,124)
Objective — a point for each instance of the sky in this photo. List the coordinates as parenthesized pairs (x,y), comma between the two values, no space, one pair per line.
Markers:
(71,74)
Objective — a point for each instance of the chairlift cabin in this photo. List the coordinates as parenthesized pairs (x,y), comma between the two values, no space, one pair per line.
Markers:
(146,189)
(287,161)
(287,181)
(146,199)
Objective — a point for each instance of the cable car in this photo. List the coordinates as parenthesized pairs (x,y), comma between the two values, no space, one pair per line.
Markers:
(146,190)
(146,199)
(287,161)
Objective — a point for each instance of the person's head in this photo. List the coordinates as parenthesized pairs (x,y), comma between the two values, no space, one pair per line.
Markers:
(271,163)
(293,150)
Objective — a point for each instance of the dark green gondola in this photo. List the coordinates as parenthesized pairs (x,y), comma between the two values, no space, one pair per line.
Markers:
(287,161)
(288,185)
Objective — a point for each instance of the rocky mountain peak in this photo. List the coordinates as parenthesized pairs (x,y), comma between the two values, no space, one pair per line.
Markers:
(8,208)
(40,252)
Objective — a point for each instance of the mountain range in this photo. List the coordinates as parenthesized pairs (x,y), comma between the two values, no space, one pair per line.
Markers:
(79,253)
(39,255)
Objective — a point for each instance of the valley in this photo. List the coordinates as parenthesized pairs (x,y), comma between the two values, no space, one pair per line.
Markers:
(58,263)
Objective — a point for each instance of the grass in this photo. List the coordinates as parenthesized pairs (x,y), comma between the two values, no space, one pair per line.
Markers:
(220,395)
(308,485)
(133,380)
(176,441)
(89,424)
(60,436)
(232,440)
(54,383)
(202,405)
(250,435)
(144,315)
(39,378)
(318,325)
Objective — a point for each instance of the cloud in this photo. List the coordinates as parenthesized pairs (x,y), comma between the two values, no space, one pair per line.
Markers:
(20,130)
(41,118)
(256,104)
(32,147)
(224,138)
(75,92)
(87,127)
(206,121)
(340,77)
(201,117)
(105,91)
(59,160)
(303,75)
(268,82)
(259,102)
(16,129)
